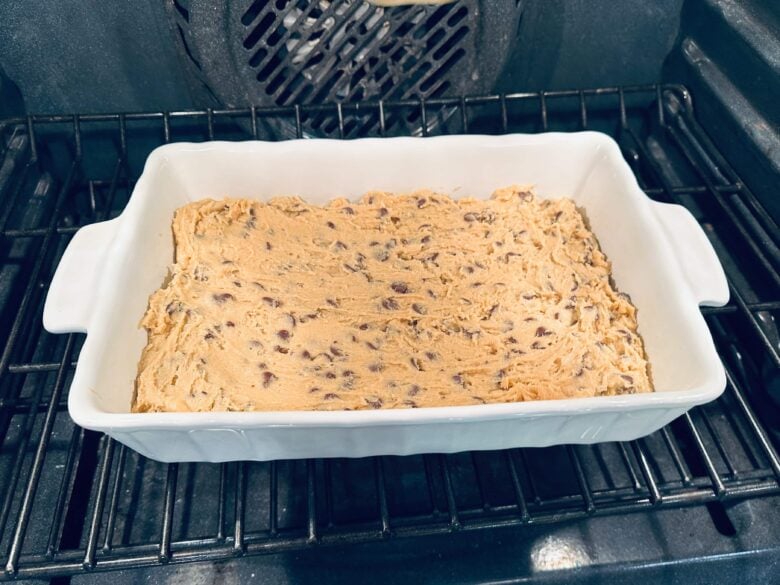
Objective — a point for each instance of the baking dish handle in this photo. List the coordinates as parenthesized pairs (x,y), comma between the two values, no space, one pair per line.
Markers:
(72,293)
(697,258)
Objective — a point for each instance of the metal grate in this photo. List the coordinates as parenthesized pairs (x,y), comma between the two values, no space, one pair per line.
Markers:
(286,52)
(72,500)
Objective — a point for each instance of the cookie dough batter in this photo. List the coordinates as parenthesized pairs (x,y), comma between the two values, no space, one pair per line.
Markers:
(392,302)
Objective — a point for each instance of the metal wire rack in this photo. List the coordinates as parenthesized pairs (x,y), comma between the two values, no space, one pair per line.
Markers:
(72,500)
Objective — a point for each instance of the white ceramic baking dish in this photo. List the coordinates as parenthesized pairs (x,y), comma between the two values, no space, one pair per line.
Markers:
(660,256)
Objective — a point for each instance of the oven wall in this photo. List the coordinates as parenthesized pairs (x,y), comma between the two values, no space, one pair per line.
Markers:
(728,55)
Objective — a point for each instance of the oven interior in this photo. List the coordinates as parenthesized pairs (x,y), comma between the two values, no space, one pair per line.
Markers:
(686,88)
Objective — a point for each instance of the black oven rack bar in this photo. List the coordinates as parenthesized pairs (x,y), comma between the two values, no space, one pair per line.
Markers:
(716,453)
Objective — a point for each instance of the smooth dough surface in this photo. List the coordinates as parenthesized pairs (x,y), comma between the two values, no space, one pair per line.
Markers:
(395,301)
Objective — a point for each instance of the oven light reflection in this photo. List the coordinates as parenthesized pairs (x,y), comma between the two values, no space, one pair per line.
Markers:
(553,553)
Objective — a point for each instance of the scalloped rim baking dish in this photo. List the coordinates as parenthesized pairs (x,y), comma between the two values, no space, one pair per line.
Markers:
(660,256)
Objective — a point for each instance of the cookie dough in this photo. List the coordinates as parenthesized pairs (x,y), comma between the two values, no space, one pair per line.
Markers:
(393,302)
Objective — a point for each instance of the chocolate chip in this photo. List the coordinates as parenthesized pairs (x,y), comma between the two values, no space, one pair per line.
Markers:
(198,274)
(391,243)
(511,340)
(376,367)
(557,216)
(209,335)
(542,332)
(536,345)
(271,302)
(468,269)
(383,211)
(458,379)
(432,258)
(331,225)
(336,351)
(410,403)
(283,334)
(314,389)
(331,396)
(339,245)
(268,246)
(416,364)
(400,287)
(330,376)
(280,349)
(419,309)
(221,298)
(421,202)
(425,239)
(363,326)
(350,268)
(374,402)
(347,373)
(306,354)
(470,217)
(529,297)
(431,294)
(628,379)
(229,324)
(373,243)
(268,378)
(476,284)
(390,304)
(348,210)
(430,355)
(395,220)
(332,302)
(371,346)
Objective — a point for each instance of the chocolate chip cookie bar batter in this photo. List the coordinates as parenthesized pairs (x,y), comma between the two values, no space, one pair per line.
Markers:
(397,301)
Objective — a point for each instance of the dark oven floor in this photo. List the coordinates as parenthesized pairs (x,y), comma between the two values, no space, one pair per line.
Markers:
(699,492)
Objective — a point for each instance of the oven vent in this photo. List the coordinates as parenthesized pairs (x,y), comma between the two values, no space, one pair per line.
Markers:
(283,52)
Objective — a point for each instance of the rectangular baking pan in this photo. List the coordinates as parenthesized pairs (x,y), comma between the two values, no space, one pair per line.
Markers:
(660,256)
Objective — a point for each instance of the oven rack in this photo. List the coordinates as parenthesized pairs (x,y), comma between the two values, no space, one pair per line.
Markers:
(73,501)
